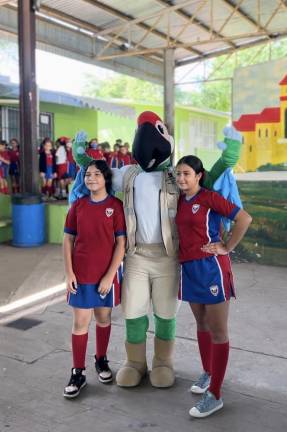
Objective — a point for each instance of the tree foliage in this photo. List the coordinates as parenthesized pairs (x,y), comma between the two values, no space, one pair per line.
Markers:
(217,94)
(124,87)
(206,94)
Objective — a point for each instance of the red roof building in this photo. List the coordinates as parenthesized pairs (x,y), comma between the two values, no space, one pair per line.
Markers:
(247,122)
(284,81)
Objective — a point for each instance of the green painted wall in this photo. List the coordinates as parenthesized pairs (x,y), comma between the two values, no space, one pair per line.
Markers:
(69,120)
(5,218)
(183,138)
(112,127)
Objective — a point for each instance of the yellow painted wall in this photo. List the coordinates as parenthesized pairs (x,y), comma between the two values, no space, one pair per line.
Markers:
(283,109)
(247,160)
(263,146)
(263,140)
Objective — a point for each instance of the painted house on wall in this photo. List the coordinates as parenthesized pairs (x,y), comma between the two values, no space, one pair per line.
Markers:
(265,134)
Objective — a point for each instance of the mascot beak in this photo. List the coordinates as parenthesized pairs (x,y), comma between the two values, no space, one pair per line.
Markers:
(152,144)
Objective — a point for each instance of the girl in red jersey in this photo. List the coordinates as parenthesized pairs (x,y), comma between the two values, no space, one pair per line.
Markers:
(95,150)
(14,169)
(72,166)
(94,246)
(4,167)
(47,167)
(206,276)
(62,168)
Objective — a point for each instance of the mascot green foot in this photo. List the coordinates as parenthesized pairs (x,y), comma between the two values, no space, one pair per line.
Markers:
(134,368)
(162,374)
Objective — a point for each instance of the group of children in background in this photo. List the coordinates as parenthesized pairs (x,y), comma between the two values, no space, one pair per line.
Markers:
(119,157)
(9,166)
(57,167)
(56,164)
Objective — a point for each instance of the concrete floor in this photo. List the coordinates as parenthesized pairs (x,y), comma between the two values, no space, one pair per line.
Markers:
(35,363)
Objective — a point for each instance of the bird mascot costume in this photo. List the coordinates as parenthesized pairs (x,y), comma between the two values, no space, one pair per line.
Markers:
(151,270)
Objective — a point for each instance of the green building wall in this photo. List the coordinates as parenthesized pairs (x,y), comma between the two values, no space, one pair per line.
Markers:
(69,120)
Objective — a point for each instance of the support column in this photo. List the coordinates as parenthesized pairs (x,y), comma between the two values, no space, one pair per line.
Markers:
(169,89)
(28,99)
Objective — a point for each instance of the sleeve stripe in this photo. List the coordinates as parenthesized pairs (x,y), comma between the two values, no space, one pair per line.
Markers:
(70,231)
(120,233)
(234,213)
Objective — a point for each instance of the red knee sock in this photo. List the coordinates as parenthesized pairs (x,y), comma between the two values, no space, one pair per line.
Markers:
(49,191)
(219,361)
(79,347)
(102,339)
(205,344)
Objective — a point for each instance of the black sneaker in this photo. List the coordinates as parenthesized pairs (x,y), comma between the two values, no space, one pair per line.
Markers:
(104,372)
(76,383)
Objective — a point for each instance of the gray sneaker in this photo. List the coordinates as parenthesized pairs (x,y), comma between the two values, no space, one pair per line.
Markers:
(201,385)
(207,405)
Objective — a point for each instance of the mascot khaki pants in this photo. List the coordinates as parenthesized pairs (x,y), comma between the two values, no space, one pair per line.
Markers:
(150,277)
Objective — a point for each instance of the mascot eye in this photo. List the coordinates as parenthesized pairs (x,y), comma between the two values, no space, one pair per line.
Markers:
(161,127)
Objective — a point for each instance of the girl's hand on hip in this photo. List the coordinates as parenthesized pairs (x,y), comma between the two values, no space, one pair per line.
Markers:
(217,248)
(72,283)
(105,285)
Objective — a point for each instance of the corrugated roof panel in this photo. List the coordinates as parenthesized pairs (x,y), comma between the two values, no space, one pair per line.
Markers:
(265,10)
(112,14)
(278,23)
(134,8)
(83,11)
(183,53)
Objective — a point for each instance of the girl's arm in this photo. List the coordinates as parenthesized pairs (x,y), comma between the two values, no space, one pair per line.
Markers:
(118,255)
(6,161)
(68,245)
(242,222)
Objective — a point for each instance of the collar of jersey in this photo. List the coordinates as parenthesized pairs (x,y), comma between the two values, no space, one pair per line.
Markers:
(99,202)
(192,198)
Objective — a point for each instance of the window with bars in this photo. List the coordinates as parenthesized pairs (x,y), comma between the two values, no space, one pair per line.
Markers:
(10,124)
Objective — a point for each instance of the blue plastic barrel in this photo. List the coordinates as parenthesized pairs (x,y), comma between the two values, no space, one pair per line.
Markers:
(28,220)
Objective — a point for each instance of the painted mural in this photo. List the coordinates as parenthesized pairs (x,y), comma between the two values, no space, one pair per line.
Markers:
(260,114)
(266,239)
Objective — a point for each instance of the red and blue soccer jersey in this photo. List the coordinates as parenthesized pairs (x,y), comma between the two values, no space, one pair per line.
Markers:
(198,222)
(95,226)
(204,278)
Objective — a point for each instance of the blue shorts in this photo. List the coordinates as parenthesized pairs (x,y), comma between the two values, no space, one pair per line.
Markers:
(206,281)
(49,173)
(72,170)
(87,296)
(14,169)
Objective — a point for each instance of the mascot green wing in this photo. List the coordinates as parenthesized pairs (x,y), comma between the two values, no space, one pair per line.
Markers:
(230,156)
(79,150)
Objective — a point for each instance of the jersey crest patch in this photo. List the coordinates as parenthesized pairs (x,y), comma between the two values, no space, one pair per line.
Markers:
(195,208)
(214,290)
(109,212)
